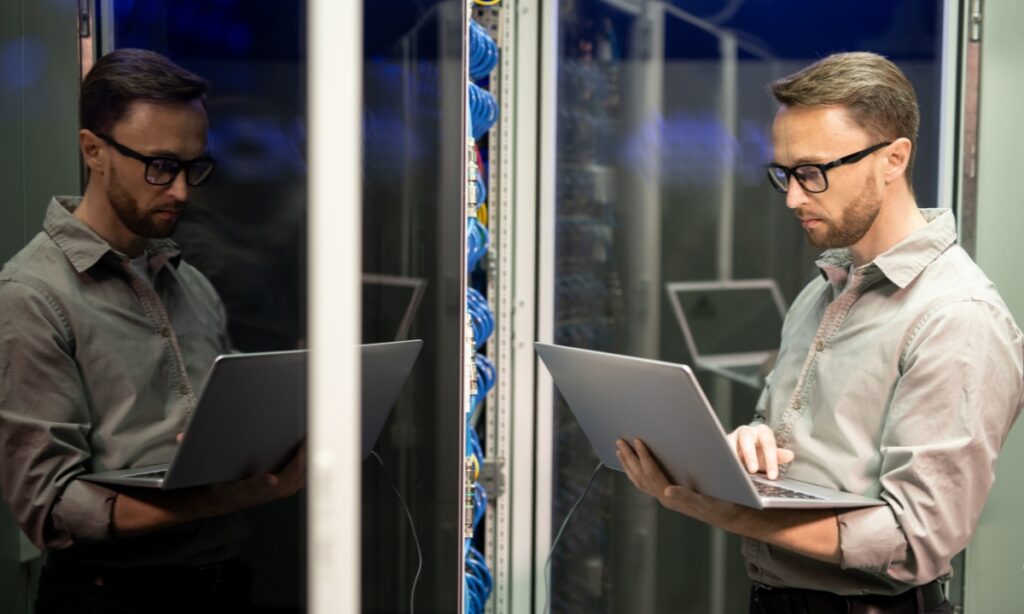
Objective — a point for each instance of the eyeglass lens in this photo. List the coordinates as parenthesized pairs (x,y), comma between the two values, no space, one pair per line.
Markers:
(811,178)
(162,171)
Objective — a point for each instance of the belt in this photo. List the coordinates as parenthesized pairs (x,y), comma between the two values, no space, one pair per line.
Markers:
(203,579)
(771,600)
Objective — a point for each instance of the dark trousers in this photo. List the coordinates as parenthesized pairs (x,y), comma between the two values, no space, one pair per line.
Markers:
(926,599)
(66,588)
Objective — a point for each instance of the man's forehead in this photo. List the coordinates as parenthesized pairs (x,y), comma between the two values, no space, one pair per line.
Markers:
(813,133)
(147,111)
(178,128)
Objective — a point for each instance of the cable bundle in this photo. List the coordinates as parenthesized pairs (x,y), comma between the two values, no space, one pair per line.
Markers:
(477,242)
(483,110)
(482,114)
(483,52)
(479,582)
(481,316)
(481,189)
(485,374)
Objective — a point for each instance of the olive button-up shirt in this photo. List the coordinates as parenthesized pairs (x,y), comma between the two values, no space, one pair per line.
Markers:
(99,370)
(898,381)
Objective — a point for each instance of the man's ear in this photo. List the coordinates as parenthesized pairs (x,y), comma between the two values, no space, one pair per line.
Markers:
(897,159)
(92,150)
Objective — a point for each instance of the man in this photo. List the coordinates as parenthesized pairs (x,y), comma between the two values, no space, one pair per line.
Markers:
(105,337)
(900,370)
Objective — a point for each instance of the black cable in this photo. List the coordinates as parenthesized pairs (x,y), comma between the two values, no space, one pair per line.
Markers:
(561,529)
(412,526)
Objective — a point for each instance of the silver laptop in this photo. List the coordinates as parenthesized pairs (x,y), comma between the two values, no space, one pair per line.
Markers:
(389,304)
(731,328)
(251,416)
(662,404)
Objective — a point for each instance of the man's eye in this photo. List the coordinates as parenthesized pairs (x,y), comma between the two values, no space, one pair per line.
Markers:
(165,165)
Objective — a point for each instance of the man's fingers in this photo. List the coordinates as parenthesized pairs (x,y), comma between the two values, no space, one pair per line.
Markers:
(766,444)
(629,464)
(653,473)
(747,449)
(786,456)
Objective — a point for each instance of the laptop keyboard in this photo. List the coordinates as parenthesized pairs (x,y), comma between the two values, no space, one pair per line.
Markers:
(151,474)
(770,490)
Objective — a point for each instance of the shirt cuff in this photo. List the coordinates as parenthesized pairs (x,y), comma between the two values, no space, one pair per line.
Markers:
(84,512)
(870,539)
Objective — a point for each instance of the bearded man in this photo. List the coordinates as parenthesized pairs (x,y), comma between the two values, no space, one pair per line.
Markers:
(105,337)
(900,370)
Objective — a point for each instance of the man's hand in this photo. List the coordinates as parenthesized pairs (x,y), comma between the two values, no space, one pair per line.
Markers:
(646,474)
(756,449)
(813,533)
(260,489)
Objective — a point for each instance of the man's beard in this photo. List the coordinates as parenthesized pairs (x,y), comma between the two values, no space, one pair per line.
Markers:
(853,223)
(139,222)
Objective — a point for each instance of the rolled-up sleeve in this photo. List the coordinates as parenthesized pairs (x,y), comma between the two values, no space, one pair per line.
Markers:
(44,424)
(959,392)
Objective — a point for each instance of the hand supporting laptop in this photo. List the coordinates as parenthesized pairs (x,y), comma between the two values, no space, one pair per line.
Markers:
(813,532)
(142,511)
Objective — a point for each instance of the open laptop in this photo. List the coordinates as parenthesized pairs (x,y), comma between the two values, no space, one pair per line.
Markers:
(389,304)
(662,404)
(251,416)
(731,327)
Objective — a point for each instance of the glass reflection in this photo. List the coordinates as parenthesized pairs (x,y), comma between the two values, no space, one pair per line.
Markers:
(246,231)
(412,263)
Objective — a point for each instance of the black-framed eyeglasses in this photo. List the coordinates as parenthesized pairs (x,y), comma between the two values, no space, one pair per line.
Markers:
(812,177)
(161,170)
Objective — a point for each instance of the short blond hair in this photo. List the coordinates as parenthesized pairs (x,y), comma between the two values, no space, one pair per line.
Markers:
(876,93)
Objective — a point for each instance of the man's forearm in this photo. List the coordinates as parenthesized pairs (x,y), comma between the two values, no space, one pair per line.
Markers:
(144,513)
(812,533)
(139,513)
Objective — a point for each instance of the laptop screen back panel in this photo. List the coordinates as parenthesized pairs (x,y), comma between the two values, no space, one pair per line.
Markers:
(252,419)
(722,321)
(385,368)
(616,397)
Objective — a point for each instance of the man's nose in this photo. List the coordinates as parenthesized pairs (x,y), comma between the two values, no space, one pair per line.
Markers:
(179,187)
(796,196)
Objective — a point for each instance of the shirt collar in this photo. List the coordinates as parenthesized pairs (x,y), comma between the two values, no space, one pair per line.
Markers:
(902,262)
(83,247)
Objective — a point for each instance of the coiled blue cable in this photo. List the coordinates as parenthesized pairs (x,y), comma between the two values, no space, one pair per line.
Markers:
(481,189)
(478,240)
(482,114)
(481,316)
(483,110)
(483,52)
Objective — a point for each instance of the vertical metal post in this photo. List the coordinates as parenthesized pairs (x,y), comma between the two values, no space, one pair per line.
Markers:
(727,115)
(968,208)
(522,459)
(644,264)
(335,244)
(949,89)
(104,25)
(548,141)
